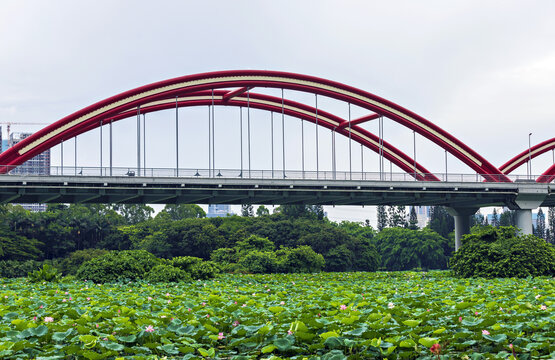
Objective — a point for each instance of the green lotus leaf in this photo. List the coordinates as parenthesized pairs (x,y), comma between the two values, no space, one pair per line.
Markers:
(170,349)
(412,323)
(268,349)
(408,343)
(113,346)
(329,334)
(428,341)
(283,344)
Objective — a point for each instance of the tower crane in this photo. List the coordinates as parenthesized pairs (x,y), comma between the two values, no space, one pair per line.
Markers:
(10,123)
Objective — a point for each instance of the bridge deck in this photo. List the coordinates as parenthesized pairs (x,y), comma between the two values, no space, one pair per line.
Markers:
(163,190)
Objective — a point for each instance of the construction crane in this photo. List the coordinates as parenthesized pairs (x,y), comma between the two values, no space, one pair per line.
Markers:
(10,123)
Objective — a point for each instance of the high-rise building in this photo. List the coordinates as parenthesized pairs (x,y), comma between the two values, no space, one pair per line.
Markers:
(39,165)
(423,215)
(219,210)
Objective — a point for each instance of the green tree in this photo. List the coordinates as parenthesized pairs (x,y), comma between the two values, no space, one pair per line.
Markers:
(405,249)
(397,216)
(503,252)
(413,219)
(440,221)
(551,223)
(262,211)
(382,217)
(182,211)
(494,218)
(134,213)
(247,210)
(507,218)
(540,224)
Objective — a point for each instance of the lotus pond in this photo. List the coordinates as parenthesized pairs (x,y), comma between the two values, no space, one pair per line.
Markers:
(318,316)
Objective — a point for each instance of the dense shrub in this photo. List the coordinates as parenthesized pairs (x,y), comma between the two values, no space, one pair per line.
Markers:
(259,262)
(300,260)
(254,242)
(185,263)
(224,256)
(503,252)
(405,249)
(118,265)
(45,274)
(204,270)
(70,264)
(167,273)
(13,268)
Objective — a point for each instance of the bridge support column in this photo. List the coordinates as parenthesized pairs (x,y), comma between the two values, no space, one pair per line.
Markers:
(528,198)
(524,221)
(462,222)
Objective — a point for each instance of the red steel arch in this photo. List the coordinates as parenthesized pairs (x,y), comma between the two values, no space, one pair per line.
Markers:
(242,79)
(531,153)
(290,108)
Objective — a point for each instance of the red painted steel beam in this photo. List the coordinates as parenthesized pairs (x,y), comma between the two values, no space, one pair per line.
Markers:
(232,94)
(360,120)
(32,145)
(526,155)
(548,176)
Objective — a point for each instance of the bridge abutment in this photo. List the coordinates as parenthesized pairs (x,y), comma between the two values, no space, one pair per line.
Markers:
(462,222)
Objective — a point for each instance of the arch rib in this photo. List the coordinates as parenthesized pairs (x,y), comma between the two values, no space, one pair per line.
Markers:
(255,78)
(527,155)
(270,103)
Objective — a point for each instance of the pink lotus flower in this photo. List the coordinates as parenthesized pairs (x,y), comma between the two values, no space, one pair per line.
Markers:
(167,294)
(149,329)
(34,318)
(282,302)
(203,304)
(221,336)
(485,332)
(169,301)
(97,326)
(88,299)
(343,307)
(244,305)
(64,300)
(460,318)
(543,307)
(40,307)
(189,309)
(538,296)
(149,298)
(235,323)
(476,313)
(48,319)
(289,332)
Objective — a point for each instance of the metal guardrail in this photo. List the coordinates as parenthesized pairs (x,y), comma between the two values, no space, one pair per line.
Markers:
(6,170)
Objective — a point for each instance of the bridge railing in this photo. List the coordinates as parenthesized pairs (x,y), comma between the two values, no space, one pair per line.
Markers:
(240,174)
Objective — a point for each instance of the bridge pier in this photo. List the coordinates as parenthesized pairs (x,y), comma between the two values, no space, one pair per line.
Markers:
(524,221)
(527,200)
(462,222)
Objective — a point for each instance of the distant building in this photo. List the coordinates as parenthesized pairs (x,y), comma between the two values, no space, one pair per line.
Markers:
(422,214)
(219,210)
(39,165)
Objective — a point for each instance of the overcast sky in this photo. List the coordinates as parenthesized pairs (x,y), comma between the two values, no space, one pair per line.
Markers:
(482,70)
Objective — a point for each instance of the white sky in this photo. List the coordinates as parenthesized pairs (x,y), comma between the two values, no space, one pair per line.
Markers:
(482,70)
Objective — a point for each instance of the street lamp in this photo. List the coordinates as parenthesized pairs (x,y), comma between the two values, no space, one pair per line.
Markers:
(529,156)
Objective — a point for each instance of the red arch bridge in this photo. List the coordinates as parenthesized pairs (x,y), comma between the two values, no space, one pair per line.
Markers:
(488,185)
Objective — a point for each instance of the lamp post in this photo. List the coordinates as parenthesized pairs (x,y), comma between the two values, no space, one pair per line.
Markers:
(529,156)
